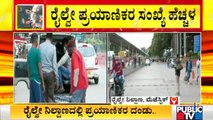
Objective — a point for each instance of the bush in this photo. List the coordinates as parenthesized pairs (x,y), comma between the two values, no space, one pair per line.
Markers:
(193,55)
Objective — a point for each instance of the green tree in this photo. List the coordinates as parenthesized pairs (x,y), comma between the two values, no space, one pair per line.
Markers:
(160,42)
(144,49)
(190,40)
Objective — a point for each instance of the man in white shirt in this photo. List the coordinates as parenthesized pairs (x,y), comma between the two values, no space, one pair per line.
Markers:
(64,65)
(49,67)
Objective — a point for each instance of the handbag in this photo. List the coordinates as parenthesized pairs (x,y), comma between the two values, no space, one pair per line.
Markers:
(179,66)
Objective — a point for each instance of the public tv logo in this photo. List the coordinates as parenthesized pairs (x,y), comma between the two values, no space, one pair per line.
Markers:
(174,100)
(189,112)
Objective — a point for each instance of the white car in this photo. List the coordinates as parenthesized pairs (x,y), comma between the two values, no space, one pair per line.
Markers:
(147,62)
(91,60)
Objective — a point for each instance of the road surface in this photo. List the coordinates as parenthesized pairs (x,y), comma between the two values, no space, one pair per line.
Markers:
(159,80)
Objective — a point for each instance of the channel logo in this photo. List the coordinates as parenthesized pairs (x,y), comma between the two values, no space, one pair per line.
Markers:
(189,112)
(174,100)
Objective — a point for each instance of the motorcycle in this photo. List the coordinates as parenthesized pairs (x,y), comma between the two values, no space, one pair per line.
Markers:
(115,89)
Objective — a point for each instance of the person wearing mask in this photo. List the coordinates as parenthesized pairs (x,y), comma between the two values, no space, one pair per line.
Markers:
(37,85)
(49,68)
(118,71)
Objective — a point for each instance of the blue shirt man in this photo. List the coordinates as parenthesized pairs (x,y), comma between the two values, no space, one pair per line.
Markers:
(188,68)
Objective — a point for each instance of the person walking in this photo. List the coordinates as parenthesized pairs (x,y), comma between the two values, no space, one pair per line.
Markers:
(79,78)
(49,68)
(178,68)
(135,61)
(168,62)
(198,70)
(188,68)
(37,85)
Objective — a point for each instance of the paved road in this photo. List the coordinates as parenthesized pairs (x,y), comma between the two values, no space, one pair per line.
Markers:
(159,80)
(95,93)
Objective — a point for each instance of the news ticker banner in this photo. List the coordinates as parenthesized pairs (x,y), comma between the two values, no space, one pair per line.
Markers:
(89,111)
(123,16)
(64,17)
(7,20)
(180,112)
(149,100)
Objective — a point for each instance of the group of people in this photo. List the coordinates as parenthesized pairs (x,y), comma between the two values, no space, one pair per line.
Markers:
(134,61)
(189,68)
(169,62)
(30,17)
(45,74)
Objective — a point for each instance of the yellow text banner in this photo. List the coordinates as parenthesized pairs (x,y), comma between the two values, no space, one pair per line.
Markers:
(207,15)
(123,16)
(6,15)
(89,111)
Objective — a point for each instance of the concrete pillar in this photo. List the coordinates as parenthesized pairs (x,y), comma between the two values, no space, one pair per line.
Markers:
(121,46)
(175,43)
(172,45)
(108,44)
(128,50)
(177,52)
(180,44)
(185,45)
(133,51)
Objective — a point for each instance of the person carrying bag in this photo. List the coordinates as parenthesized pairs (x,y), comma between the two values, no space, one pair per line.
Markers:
(178,68)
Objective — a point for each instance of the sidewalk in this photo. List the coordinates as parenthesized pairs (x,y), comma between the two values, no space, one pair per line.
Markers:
(130,69)
(188,92)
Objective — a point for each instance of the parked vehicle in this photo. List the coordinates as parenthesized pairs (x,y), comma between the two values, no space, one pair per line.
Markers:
(91,60)
(115,89)
(21,72)
(147,62)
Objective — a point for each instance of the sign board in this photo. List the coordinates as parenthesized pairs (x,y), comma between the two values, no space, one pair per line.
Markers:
(196,43)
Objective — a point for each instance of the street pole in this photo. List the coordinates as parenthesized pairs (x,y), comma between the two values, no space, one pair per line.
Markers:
(121,46)
(184,38)
(128,50)
(177,44)
(173,45)
(180,45)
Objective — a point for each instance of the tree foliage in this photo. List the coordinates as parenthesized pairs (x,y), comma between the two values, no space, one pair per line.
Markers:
(190,41)
(160,42)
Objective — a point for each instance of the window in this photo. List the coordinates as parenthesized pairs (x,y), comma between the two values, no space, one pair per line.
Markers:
(87,51)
